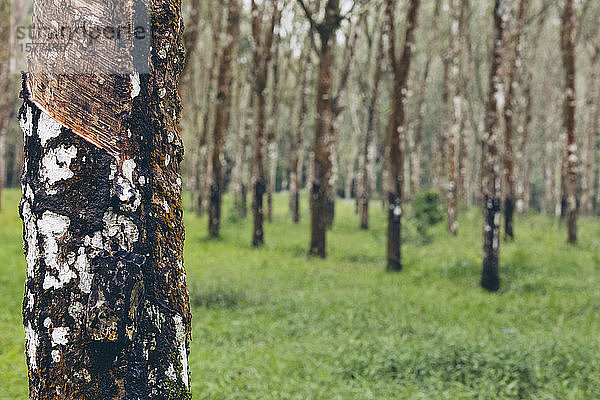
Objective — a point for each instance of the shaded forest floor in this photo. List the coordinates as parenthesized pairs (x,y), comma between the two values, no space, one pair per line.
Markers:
(270,325)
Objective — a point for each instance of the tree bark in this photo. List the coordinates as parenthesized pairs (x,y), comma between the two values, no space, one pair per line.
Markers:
(323,165)
(222,117)
(400,71)
(369,149)
(572,160)
(491,180)
(106,308)
(203,157)
(262,57)
(273,129)
(590,137)
(455,115)
(422,103)
(298,148)
(509,162)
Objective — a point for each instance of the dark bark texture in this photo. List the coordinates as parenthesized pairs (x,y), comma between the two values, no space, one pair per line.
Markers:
(106,308)
(571,160)
(491,179)
(400,71)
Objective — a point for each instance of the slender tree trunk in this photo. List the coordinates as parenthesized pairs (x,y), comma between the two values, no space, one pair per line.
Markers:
(491,179)
(222,117)
(572,161)
(401,70)
(442,142)
(322,145)
(369,146)
(106,309)
(422,102)
(298,148)
(509,165)
(203,158)
(262,57)
(523,156)
(590,137)
(238,176)
(455,116)
(272,145)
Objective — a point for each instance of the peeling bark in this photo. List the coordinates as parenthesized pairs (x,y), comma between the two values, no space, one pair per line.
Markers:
(106,308)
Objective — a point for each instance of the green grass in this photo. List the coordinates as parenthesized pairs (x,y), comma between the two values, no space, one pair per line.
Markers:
(269,324)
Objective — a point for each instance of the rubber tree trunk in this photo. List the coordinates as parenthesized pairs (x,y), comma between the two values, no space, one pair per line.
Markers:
(572,160)
(369,149)
(106,308)
(491,179)
(590,137)
(222,118)
(400,69)
(323,142)
(455,116)
(262,57)
(298,148)
(509,155)
(204,166)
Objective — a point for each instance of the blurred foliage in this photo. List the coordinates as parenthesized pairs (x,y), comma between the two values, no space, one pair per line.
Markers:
(427,210)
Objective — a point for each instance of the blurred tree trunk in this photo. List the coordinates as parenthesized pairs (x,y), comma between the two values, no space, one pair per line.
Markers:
(400,71)
(298,148)
(337,108)
(509,111)
(239,176)
(422,102)
(523,156)
(491,179)
(369,150)
(204,168)
(273,129)
(222,118)
(262,58)
(571,161)
(323,141)
(442,140)
(590,136)
(6,95)
(106,308)
(455,114)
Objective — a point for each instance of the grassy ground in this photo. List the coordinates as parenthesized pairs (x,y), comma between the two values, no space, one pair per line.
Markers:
(269,324)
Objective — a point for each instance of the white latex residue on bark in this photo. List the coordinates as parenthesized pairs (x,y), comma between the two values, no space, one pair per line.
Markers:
(53,227)
(48,128)
(120,228)
(56,164)
(180,336)
(30,239)
(59,336)
(31,338)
